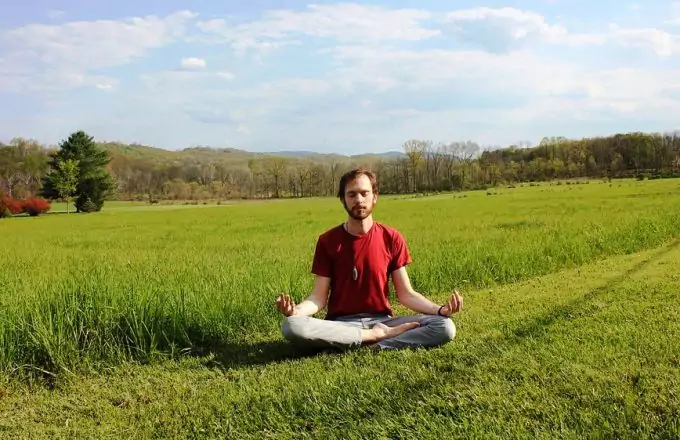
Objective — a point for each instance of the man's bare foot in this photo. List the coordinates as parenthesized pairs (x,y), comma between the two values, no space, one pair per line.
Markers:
(381,332)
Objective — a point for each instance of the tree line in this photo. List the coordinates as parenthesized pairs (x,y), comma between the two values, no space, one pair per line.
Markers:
(87,173)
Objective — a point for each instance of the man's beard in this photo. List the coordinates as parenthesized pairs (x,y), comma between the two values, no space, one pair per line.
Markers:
(359,214)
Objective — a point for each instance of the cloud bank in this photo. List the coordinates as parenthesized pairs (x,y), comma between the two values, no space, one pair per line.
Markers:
(347,78)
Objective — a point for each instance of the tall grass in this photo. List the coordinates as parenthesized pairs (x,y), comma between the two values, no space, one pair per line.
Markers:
(83,292)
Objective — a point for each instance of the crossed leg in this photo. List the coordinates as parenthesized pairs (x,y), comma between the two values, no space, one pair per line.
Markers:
(311,332)
(432,331)
(406,331)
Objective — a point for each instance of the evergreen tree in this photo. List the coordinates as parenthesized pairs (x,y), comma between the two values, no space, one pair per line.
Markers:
(94,182)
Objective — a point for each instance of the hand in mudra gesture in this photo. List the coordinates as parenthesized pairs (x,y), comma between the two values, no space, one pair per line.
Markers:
(285,304)
(453,305)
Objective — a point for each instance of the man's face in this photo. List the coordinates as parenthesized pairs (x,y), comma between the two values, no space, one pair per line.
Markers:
(359,198)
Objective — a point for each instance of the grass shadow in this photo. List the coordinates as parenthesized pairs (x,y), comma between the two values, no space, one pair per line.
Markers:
(519,225)
(228,356)
(74,212)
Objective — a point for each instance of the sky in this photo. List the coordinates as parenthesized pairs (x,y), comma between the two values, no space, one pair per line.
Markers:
(338,77)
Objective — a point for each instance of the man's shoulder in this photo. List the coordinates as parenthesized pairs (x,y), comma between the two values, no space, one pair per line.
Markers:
(395,244)
(388,231)
(331,233)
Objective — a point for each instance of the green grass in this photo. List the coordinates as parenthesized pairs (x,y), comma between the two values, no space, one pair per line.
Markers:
(570,326)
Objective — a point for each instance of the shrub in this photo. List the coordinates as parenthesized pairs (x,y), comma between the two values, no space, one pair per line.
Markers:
(9,207)
(35,206)
(89,206)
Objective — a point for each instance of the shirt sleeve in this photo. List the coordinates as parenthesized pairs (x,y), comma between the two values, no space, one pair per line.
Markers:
(321,265)
(400,253)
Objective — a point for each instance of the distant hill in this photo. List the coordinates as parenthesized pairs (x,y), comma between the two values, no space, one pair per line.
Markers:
(212,154)
(305,153)
(297,153)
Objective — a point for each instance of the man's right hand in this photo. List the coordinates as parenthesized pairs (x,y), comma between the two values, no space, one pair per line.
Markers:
(285,304)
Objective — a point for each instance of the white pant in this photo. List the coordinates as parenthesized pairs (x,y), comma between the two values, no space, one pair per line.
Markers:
(345,332)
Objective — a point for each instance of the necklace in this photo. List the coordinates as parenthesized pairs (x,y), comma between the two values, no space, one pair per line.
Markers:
(355,271)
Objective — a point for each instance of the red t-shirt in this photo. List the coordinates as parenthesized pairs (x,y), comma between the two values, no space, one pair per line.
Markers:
(375,254)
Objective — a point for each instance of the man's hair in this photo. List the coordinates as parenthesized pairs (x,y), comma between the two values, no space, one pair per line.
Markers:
(353,174)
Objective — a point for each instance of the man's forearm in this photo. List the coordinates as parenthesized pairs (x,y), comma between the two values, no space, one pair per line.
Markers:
(306,308)
(419,304)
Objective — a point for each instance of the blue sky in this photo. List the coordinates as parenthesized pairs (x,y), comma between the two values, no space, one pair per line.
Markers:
(337,77)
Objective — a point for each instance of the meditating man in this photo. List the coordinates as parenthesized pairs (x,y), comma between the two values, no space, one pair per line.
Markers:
(352,263)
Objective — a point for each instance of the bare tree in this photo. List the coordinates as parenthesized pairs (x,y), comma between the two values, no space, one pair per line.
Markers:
(415,150)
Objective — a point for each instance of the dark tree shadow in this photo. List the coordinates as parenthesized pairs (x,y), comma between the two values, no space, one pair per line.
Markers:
(61,213)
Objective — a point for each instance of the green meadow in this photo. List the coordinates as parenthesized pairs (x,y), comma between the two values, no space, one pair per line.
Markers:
(159,321)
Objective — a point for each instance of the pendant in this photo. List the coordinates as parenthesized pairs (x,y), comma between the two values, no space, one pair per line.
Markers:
(355,274)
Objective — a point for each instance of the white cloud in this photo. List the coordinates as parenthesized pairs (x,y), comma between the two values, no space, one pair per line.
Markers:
(101,43)
(340,22)
(243,129)
(169,83)
(503,29)
(353,22)
(495,29)
(412,69)
(55,13)
(504,25)
(192,63)
(39,54)
(286,87)
(210,115)
(226,75)
(661,42)
(674,13)
(672,92)
(214,25)
(52,80)
(518,73)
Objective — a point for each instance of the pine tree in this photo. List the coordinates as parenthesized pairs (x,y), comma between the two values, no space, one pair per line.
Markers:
(94,181)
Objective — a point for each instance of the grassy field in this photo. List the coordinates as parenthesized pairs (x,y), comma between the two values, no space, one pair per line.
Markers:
(159,321)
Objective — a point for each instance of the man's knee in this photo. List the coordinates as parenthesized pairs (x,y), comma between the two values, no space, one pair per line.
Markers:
(446,328)
(295,328)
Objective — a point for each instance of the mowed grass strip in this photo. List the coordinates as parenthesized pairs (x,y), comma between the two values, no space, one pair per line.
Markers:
(85,292)
(591,352)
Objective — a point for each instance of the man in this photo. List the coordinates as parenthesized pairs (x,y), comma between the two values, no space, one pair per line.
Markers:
(354,261)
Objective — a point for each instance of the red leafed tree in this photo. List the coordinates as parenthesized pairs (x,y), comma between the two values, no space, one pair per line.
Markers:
(9,207)
(34,206)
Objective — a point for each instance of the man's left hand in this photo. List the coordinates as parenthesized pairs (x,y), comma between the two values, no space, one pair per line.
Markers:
(453,305)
